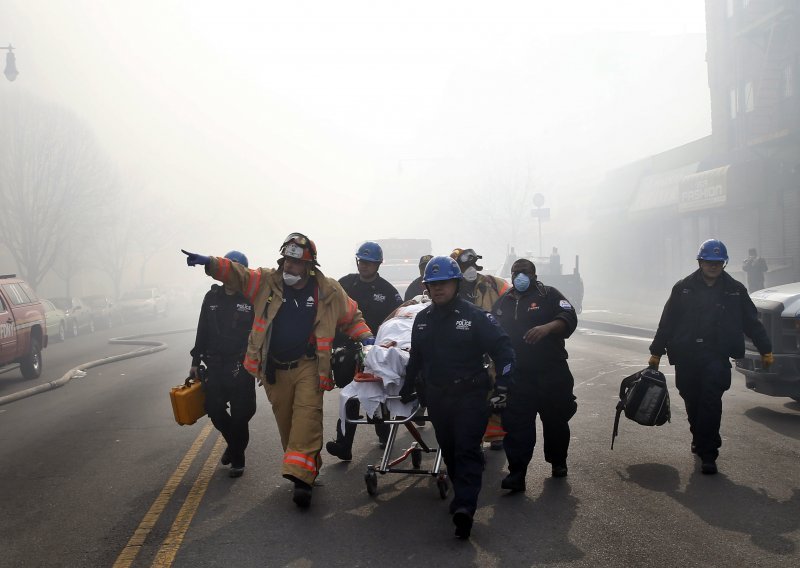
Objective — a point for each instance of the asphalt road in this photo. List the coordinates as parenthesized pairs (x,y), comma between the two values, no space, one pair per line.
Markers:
(97,472)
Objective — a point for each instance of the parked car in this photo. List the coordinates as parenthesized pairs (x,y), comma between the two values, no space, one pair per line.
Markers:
(79,316)
(143,302)
(104,311)
(23,330)
(56,321)
(779,310)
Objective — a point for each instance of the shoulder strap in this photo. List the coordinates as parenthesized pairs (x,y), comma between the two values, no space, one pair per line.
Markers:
(624,387)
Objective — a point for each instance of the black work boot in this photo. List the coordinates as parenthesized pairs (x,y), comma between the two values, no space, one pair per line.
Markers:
(342,447)
(462,519)
(302,494)
(514,482)
(709,466)
(560,469)
(237,465)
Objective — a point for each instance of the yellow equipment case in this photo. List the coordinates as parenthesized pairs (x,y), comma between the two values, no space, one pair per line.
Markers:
(188,401)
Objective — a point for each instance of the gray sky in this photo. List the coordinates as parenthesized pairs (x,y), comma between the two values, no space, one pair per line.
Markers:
(354,120)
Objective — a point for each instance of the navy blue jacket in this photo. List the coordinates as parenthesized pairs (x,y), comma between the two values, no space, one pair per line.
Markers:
(701,322)
(518,312)
(448,343)
(223,327)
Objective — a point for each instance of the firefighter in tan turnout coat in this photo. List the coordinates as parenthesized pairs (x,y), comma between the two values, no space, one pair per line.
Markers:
(297,313)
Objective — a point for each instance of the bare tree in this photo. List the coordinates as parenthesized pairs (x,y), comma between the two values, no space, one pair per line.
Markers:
(52,176)
(508,211)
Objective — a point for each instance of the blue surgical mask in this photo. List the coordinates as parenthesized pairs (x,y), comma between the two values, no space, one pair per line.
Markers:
(522,282)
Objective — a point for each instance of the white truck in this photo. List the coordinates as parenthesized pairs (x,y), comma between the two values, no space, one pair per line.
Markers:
(779,311)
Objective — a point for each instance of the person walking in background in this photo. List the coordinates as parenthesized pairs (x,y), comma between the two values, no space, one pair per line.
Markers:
(376,298)
(702,327)
(416,288)
(755,267)
(225,321)
(297,310)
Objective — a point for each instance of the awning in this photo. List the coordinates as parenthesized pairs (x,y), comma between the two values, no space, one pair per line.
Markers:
(704,190)
(661,189)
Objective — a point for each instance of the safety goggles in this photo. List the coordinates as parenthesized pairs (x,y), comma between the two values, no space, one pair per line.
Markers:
(297,238)
(297,245)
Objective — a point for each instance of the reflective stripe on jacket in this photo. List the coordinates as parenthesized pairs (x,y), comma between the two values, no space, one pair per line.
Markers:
(263,287)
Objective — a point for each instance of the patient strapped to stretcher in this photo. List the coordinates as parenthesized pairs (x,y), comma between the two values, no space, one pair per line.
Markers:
(385,366)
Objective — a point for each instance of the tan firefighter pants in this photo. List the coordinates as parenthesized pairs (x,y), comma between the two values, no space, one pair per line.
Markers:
(297,405)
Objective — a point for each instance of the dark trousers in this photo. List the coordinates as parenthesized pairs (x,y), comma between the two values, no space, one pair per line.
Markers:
(548,394)
(352,408)
(701,386)
(459,416)
(228,382)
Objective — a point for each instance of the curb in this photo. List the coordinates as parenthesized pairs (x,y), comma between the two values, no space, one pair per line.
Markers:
(78,372)
(617,328)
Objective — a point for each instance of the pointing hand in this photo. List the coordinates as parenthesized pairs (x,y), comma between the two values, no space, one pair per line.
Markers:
(193,258)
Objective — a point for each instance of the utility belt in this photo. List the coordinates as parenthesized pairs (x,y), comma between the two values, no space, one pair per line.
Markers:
(274,364)
(286,365)
(480,380)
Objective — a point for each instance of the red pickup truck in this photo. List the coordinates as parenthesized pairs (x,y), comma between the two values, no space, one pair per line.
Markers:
(23,332)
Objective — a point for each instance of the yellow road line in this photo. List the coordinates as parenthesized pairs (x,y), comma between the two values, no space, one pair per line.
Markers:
(169,548)
(128,554)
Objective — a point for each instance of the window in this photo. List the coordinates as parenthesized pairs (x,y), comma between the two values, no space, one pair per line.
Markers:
(749,97)
(734,103)
(2,305)
(15,294)
(29,291)
(788,81)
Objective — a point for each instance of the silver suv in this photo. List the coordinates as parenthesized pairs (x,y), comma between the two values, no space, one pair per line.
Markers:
(779,311)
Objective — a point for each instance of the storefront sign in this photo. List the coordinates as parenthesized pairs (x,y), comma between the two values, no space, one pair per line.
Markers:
(704,190)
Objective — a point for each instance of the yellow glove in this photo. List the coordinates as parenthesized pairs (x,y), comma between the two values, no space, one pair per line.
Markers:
(654,361)
(767,359)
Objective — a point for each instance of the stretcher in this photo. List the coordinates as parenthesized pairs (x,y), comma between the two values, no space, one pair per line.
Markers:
(377,386)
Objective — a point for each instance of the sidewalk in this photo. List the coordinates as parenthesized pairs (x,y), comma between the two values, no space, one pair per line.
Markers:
(621,316)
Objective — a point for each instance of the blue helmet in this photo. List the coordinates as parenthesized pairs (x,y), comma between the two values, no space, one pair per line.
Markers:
(237,256)
(441,268)
(371,252)
(713,250)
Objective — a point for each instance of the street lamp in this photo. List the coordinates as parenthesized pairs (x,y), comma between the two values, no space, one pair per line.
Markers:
(11,63)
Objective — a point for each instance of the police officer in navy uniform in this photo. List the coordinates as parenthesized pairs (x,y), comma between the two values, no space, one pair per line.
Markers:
(702,327)
(376,298)
(538,319)
(222,330)
(446,368)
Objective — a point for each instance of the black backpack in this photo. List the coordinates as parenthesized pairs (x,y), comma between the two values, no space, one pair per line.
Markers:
(644,398)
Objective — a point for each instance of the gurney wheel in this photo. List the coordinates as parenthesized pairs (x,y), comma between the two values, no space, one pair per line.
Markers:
(416,458)
(443,485)
(371,479)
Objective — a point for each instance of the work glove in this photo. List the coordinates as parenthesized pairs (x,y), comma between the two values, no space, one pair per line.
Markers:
(499,398)
(767,359)
(368,341)
(653,362)
(408,391)
(193,259)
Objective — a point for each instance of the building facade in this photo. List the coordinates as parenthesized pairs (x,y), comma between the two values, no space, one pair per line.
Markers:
(740,184)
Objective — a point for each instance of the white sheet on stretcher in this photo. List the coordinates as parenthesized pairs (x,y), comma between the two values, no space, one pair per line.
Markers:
(387,359)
